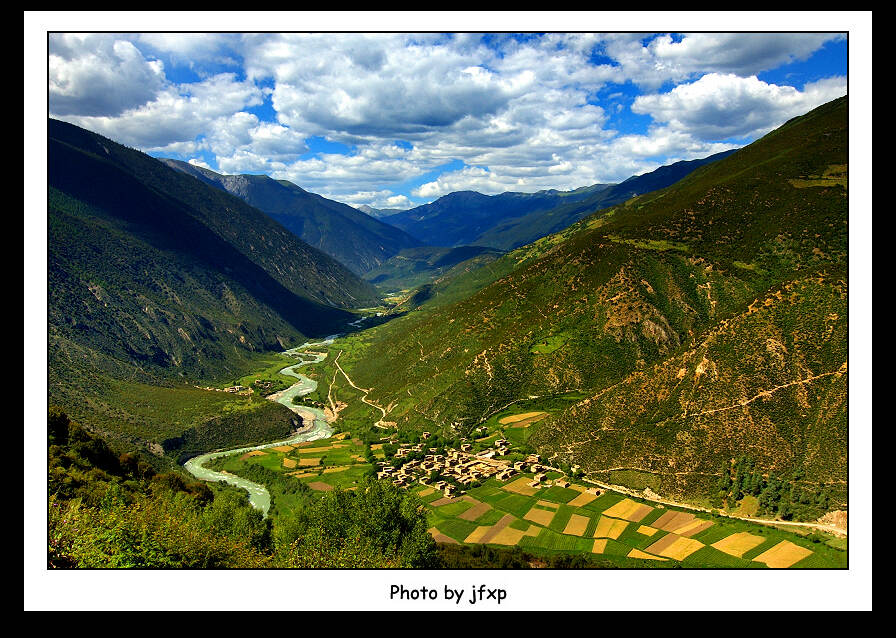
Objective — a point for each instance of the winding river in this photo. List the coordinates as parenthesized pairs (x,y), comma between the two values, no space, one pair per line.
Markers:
(316,428)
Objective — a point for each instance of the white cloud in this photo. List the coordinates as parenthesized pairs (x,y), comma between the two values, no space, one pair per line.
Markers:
(92,75)
(718,107)
(744,54)
(378,199)
(177,114)
(191,48)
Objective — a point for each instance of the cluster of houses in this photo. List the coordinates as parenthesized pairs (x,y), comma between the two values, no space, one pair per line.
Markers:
(461,466)
(234,389)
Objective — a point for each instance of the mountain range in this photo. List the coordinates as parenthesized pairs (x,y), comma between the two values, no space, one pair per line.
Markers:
(357,240)
(510,220)
(669,324)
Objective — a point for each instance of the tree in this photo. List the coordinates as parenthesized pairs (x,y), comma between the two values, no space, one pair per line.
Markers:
(377,515)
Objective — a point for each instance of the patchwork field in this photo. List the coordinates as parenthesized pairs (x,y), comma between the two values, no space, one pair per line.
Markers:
(546,519)
(322,465)
(551,520)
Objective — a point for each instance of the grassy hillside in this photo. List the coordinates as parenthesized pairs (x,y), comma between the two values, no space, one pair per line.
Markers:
(519,231)
(704,322)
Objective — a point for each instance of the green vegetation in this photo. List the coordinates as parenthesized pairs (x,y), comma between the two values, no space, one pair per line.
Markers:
(415,267)
(770,495)
(691,341)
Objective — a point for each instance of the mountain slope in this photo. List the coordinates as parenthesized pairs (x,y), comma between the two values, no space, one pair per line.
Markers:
(701,323)
(346,234)
(379,213)
(154,276)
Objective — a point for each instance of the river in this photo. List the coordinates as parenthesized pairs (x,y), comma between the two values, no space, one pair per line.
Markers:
(318,428)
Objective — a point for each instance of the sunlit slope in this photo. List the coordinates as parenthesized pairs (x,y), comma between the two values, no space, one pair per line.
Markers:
(706,320)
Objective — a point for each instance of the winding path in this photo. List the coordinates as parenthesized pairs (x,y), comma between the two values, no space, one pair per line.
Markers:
(366,391)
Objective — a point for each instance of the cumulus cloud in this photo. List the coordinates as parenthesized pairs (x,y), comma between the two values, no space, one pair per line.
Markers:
(378,199)
(664,59)
(192,48)
(94,75)
(177,114)
(718,107)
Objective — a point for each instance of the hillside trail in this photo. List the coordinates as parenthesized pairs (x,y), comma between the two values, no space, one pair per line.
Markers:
(366,391)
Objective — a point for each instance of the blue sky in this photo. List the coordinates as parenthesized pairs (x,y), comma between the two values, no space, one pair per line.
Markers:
(395,119)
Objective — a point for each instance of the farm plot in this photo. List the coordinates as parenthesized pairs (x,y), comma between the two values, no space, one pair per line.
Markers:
(440,537)
(609,527)
(521,486)
(628,510)
(541,522)
(283,448)
(682,523)
(738,544)
(476,511)
(637,553)
(675,546)
(528,417)
(484,533)
(577,525)
(784,554)
(582,499)
(542,513)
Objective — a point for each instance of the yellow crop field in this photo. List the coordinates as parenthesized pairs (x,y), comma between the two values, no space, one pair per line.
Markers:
(582,499)
(520,486)
(738,544)
(609,528)
(637,553)
(577,525)
(784,554)
(540,516)
(519,417)
(629,510)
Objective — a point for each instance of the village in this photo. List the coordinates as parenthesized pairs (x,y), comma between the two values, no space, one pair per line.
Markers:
(455,470)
